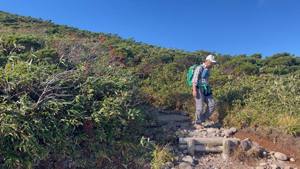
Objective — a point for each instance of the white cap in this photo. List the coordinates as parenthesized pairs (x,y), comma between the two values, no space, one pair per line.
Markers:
(211,58)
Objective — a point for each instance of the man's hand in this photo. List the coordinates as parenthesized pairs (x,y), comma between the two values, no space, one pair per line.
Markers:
(194,93)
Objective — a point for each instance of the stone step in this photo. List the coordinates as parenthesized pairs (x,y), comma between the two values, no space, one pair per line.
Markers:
(209,141)
(206,148)
(209,145)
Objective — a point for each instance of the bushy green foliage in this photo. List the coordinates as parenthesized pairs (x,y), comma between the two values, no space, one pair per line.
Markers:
(73,108)
(269,101)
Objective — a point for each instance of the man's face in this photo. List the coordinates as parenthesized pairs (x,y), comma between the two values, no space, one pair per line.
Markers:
(208,63)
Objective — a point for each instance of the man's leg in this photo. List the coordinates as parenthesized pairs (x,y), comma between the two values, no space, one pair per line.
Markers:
(199,107)
(210,106)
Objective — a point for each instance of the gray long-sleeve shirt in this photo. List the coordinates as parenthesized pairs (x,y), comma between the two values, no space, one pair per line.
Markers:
(197,80)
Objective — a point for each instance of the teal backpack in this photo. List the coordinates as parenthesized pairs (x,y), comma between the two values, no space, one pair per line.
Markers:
(190,75)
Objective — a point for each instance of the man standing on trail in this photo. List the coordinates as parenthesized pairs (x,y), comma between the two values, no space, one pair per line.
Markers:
(201,90)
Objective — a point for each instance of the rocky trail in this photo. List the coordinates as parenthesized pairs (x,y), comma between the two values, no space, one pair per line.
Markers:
(209,146)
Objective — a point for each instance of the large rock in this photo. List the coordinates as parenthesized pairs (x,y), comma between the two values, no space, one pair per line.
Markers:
(280,156)
(246,144)
(228,132)
(185,166)
(233,129)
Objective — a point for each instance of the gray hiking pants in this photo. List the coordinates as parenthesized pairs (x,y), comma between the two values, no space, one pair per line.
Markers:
(200,100)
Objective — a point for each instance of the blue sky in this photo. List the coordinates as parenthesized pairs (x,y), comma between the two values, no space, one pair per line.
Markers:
(224,26)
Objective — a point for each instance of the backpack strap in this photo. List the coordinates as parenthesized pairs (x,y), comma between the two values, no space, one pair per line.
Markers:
(206,87)
(200,74)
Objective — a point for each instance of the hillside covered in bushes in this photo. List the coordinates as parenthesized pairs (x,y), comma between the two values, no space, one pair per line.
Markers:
(81,96)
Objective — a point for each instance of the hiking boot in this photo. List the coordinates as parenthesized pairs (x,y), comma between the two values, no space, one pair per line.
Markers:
(198,125)
(197,122)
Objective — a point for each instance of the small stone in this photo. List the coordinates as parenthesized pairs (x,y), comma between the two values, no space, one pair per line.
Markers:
(260,167)
(167,166)
(198,127)
(188,159)
(274,166)
(280,156)
(233,129)
(292,160)
(288,167)
(184,166)
(263,164)
(265,154)
(170,164)
(273,157)
(210,130)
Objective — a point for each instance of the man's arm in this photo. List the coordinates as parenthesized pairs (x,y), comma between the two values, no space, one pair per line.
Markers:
(195,80)
(194,91)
